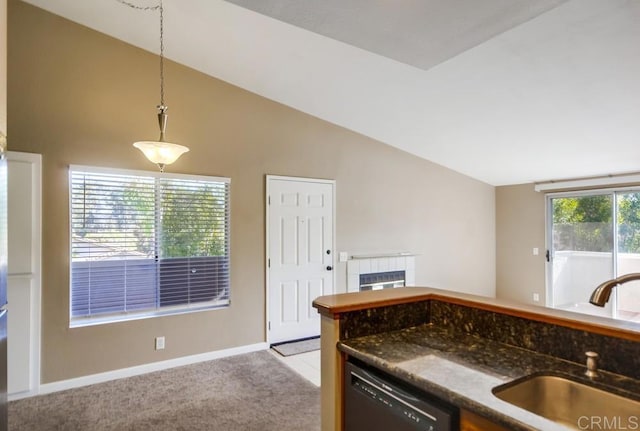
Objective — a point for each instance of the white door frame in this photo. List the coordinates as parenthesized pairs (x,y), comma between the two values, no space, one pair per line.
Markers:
(268,179)
(33,277)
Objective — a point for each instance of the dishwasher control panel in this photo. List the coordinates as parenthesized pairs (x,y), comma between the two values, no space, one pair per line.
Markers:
(374,402)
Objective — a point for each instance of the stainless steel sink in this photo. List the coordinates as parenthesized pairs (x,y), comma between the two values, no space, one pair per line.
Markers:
(571,403)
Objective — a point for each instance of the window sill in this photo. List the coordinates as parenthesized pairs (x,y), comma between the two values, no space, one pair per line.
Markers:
(81,322)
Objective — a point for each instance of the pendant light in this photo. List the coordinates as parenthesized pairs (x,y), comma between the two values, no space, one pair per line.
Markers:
(159,152)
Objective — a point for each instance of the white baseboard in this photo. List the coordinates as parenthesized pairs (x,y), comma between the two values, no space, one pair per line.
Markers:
(77,382)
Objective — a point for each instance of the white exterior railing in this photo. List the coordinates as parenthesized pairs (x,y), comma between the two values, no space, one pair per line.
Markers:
(577,273)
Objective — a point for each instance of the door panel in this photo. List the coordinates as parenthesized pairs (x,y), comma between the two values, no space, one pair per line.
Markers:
(300,254)
(627,296)
(289,241)
(314,289)
(20,356)
(582,247)
(289,302)
(315,237)
(316,201)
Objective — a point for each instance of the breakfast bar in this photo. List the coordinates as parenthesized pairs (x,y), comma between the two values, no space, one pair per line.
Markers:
(462,349)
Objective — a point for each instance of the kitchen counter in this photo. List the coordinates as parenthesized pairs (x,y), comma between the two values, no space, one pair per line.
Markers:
(462,369)
(460,346)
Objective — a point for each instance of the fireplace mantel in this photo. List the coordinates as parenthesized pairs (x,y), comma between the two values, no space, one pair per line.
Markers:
(381,255)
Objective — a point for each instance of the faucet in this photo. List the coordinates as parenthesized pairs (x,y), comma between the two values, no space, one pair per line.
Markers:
(601,294)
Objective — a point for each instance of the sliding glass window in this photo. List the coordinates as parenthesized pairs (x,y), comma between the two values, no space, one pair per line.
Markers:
(594,236)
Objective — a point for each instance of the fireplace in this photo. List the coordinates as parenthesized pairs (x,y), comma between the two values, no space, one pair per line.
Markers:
(380,271)
(382,280)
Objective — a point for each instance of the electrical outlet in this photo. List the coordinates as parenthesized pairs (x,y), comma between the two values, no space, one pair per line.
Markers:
(159,343)
(536,297)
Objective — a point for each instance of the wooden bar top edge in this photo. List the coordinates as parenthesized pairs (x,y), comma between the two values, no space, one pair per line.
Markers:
(333,305)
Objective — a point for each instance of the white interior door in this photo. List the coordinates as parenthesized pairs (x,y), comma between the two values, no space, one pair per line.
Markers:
(300,232)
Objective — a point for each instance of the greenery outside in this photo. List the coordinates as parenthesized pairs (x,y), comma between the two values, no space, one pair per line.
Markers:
(191,223)
(585,223)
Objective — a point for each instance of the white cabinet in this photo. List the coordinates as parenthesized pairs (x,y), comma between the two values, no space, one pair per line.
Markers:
(23,283)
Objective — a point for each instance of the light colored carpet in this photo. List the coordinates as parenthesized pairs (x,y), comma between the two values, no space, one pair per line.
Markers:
(298,347)
(254,391)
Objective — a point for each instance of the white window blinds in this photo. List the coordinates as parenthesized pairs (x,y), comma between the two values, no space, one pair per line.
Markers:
(143,243)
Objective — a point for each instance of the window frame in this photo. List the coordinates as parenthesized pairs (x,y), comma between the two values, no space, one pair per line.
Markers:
(116,317)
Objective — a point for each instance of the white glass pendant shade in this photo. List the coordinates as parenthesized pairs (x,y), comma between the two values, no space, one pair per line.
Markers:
(162,153)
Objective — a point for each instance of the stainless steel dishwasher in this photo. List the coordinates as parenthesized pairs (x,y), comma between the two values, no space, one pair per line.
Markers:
(375,401)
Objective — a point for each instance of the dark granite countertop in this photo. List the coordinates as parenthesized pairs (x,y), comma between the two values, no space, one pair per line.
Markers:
(463,369)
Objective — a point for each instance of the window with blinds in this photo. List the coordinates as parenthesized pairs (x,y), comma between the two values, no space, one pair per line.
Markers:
(144,243)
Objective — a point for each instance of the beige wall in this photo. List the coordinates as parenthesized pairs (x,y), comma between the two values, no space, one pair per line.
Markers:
(3,66)
(79,97)
(520,227)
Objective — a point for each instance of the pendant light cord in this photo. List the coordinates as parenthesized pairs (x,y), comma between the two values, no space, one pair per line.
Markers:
(134,6)
(161,9)
(161,56)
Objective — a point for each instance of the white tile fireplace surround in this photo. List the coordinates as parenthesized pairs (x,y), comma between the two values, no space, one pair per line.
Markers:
(361,264)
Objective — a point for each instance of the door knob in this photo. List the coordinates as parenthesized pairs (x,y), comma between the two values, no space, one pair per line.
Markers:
(329,268)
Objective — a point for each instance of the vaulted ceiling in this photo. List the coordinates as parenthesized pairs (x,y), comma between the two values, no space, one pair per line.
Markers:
(505,91)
